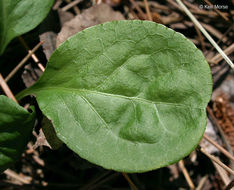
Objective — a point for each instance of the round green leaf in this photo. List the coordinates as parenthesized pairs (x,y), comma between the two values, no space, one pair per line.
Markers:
(127,95)
(20,16)
(16,125)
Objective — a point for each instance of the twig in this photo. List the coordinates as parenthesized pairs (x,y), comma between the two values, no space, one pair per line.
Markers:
(186,174)
(217,11)
(191,6)
(38,160)
(16,176)
(134,15)
(226,153)
(57,4)
(148,10)
(214,32)
(230,185)
(205,33)
(138,9)
(201,39)
(70,5)
(154,5)
(34,57)
(215,159)
(217,58)
(23,61)
(6,88)
(221,39)
(75,8)
(133,186)
(170,19)
(223,173)
(202,182)
(173,3)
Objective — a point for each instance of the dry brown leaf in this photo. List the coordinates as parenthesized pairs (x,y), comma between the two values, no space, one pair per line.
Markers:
(95,15)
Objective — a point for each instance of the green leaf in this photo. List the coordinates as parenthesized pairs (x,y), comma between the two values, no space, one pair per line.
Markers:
(53,141)
(20,16)
(16,125)
(127,95)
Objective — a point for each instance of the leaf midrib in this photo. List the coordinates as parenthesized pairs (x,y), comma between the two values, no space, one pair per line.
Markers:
(111,95)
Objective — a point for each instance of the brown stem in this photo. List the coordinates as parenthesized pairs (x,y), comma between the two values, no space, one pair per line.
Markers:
(148,10)
(186,174)
(225,152)
(23,61)
(130,181)
(216,160)
(6,88)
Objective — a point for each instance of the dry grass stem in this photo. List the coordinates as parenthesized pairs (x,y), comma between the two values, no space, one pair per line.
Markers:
(6,88)
(216,160)
(34,57)
(225,152)
(217,58)
(75,8)
(221,39)
(202,182)
(230,186)
(23,61)
(70,5)
(214,32)
(148,10)
(201,39)
(195,21)
(18,177)
(138,9)
(57,4)
(133,186)
(186,174)
(222,173)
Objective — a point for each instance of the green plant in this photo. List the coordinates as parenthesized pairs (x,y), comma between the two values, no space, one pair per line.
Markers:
(127,95)
(16,126)
(20,16)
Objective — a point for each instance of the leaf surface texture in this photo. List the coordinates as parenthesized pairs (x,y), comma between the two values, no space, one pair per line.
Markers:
(127,95)
(20,16)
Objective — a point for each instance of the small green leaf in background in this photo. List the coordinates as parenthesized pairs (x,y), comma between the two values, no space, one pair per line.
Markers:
(50,134)
(16,125)
(20,16)
(127,95)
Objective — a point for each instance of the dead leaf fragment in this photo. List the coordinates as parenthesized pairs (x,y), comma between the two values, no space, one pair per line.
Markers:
(49,44)
(97,14)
